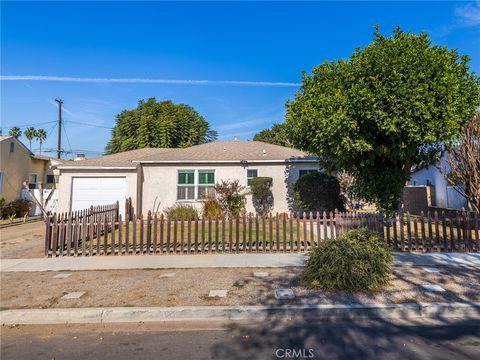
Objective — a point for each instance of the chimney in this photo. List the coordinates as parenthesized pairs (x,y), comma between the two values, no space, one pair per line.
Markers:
(79,157)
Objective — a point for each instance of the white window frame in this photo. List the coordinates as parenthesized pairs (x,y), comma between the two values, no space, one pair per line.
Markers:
(187,185)
(250,178)
(30,183)
(305,169)
(196,183)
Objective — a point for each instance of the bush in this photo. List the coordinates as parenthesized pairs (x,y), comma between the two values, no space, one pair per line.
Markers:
(318,191)
(262,196)
(181,211)
(358,260)
(17,208)
(231,196)
(212,208)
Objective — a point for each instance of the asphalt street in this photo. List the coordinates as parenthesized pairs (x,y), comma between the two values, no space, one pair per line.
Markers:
(294,339)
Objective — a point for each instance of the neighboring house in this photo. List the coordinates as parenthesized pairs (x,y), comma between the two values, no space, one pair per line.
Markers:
(443,195)
(19,164)
(185,175)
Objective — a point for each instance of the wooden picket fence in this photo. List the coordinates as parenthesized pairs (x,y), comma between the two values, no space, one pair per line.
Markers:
(92,233)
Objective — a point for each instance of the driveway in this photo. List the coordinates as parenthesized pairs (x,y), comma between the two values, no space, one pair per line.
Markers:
(22,241)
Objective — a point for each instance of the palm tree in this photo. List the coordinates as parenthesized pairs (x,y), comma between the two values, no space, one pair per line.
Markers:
(15,132)
(30,133)
(41,137)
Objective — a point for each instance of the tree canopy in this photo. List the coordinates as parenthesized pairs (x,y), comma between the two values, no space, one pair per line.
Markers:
(159,124)
(277,135)
(392,105)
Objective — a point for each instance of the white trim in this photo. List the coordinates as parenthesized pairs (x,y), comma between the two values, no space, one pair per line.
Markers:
(224,161)
(66,167)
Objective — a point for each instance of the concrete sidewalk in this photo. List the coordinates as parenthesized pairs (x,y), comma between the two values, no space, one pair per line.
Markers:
(408,311)
(211,261)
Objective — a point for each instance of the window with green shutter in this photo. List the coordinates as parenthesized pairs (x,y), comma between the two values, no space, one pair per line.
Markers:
(186,185)
(206,182)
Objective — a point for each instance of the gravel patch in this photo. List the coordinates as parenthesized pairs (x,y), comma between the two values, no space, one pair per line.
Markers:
(190,287)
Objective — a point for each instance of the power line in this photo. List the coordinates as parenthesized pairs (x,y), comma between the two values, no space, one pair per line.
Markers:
(25,126)
(87,124)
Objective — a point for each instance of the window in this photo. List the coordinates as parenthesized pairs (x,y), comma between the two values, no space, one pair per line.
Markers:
(251,173)
(50,179)
(12,146)
(32,181)
(186,185)
(306,171)
(206,182)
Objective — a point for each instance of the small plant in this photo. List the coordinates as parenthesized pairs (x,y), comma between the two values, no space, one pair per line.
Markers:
(262,196)
(358,260)
(17,208)
(181,211)
(11,217)
(231,196)
(212,208)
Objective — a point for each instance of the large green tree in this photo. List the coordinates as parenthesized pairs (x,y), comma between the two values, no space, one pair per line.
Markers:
(159,124)
(277,135)
(393,105)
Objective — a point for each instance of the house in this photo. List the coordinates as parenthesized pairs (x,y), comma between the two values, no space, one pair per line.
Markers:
(18,164)
(442,195)
(185,175)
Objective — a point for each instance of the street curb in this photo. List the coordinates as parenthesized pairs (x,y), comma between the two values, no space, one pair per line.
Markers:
(406,311)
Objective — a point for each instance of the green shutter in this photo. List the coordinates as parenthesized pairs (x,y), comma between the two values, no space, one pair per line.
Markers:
(206,177)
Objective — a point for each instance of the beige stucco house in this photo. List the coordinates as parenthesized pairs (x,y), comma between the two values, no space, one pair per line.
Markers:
(19,164)
(158,178)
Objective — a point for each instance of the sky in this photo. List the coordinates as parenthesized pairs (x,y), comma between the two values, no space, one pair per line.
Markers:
(236,63)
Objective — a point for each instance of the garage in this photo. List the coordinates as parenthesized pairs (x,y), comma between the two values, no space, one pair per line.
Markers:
(88,191)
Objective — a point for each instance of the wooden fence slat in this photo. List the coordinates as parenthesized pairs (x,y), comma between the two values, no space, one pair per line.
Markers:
(477,238)
(223,233)
(149,232)
(237,234)
(134,235)
(168,231)
(210,250)
(112,236)
(409,232)
(305,232)
(203,235)
(415,231)
(127,232)
(256,233)
(162,233)
(444,232)
(270,233)
(196,235)
(264,235)
(297,224)
(175,221)
(120,231)
(216,235)
(105,236)
(459,232)
(189,235)
(84,233)
(402,231)
(182,235)
(230,235)
(142,248)
(91,233)
(437,231)
(61,234)
(155,232)
(244,235)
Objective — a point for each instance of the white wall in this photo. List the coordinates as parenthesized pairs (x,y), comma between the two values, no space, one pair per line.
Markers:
(160,182)
(445,196)
(65,184)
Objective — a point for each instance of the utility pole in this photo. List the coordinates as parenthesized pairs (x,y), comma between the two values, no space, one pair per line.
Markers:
(59,145)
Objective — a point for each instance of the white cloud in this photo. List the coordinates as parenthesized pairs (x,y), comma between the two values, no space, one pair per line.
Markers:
(144,81)
(469,14)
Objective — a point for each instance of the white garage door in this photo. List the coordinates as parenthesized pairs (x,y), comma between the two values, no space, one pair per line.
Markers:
(88,191)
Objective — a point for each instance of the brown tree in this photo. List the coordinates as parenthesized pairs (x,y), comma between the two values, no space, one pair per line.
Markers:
(462,170)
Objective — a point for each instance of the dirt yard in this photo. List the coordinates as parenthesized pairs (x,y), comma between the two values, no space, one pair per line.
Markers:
(22,241)
(127,288)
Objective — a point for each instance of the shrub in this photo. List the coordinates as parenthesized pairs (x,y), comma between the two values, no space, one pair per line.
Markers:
(318,191)
(358,260)
(17,208)
(212,208)
(231,196)
(262,196)
(181,211)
